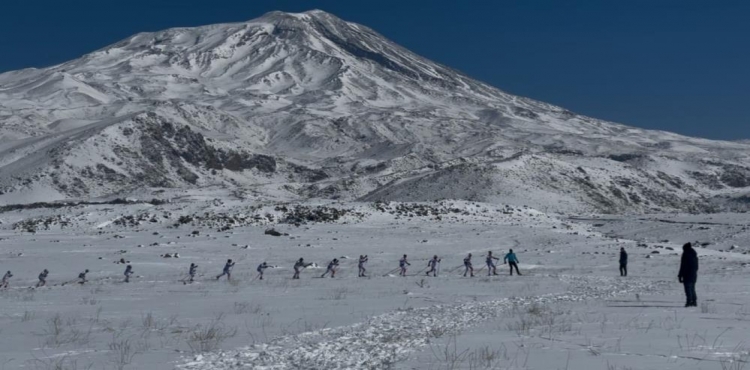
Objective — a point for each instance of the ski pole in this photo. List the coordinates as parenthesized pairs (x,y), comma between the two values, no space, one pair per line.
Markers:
(418,272)
(455,268)
(392,271)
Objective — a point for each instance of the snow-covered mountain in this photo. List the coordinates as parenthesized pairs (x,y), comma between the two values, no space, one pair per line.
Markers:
(307,105)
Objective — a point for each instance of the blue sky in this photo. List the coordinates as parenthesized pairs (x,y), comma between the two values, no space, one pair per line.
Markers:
(680,66)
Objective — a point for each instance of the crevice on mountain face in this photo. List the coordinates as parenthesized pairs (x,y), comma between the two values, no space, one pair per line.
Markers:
(297,106)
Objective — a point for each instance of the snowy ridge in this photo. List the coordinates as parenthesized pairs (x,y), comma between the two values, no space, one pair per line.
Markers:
(383,341)
(347,113)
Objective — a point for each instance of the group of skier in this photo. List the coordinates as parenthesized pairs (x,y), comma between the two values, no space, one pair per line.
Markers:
(688,274)
(42,278)
(510,258)
(433,264)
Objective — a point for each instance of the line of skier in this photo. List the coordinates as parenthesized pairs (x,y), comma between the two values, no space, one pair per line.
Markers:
(433,266)
(687,275)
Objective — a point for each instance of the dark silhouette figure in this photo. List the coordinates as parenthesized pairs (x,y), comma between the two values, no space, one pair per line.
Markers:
(689,274)
(623,262)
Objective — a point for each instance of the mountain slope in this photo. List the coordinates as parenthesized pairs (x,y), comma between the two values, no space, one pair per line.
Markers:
(341,112)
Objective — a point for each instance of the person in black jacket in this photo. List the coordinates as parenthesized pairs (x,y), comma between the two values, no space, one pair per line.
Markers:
(689,274)
(623,262)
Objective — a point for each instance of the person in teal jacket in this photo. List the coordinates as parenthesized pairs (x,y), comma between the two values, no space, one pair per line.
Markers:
(512,261)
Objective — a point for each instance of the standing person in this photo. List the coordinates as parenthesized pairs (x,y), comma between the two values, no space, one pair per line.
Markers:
(262,267)
(432,264)
(191,272)
(42,278)
(227,270)
(128,272)
(512,261)
(689,274)
(402,263)
(331,268)
(623,262)
(490,260)
(82,277)
(298,266)
(4,281)
(467,265)
(361,265)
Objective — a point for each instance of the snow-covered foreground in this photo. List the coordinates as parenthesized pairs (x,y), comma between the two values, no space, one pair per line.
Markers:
(384,341)
(570,309)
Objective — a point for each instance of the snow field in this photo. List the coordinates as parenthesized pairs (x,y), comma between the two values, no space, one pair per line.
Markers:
(555,310)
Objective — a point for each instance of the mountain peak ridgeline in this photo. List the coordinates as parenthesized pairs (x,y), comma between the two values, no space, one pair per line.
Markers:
(310,105)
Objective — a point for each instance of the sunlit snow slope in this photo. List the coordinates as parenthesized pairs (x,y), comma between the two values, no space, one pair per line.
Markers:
(307,105)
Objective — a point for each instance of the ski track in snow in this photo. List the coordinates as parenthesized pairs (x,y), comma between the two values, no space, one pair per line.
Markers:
(383,341)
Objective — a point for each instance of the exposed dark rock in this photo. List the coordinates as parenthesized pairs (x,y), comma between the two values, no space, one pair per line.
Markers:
(625,157)
(273,232)
(735,176)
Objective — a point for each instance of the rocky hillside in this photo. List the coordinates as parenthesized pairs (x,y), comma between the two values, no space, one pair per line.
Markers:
(297,106)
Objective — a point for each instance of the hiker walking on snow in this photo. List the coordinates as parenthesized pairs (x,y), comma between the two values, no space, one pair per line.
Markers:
(623,262)
(332,266)
(192,271)
(512,261)
(490,260)
(82,277)
(361,265)
(432,264)
(262,267)
(42,278)
(688,274)
(4,281)
(227,270)
(467,265)
(128,272)
(298,266)
(402,263)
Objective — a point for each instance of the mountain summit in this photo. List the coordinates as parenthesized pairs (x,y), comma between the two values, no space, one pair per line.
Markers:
(293,106)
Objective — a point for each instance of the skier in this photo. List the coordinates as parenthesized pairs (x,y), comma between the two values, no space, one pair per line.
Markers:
(623,262)
(42,278)
(300,264)
(402,263)
(512,261)
(128,272)
(361,265)
(227,270)
(262,267)
(82,277)
(491,268)
(432,264)
(192,271)
(4,281)
(332,266)
(467,265)
(688,274)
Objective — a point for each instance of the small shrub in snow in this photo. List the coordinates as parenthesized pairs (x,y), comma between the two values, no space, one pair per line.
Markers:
(209,337)
(122,352)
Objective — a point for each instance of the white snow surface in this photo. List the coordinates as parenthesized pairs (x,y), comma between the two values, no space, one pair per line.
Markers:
(342,113)
(569,306)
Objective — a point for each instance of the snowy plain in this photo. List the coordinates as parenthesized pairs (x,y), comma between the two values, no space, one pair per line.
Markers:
(569,310)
